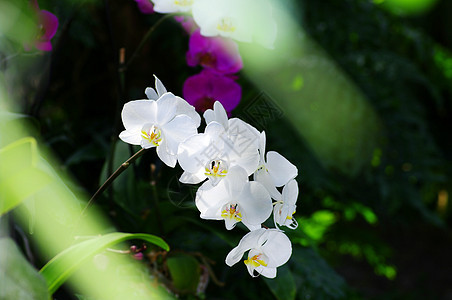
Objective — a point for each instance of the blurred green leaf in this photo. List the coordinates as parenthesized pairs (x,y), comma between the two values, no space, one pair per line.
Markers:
(185,272)
(19,176)
(17,21)
(19,280)
(57,270)
(317,224)
(315,279)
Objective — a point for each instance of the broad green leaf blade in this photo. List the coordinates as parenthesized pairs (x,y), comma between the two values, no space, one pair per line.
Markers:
(185,272)
(19,175)
(283,285)
(57,270)
(18,279)
(314,278)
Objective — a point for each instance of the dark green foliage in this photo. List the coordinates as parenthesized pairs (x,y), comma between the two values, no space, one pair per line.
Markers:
(363,233)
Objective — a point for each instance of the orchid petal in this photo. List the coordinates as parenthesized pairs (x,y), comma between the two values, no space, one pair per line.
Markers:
(209,200)
(243,135)
(235,180)
(192,153)
(280,169)
(184,108)
(177,131)
(165,6)
(131,136)
(151,93)
(50,23)
(250,240)
(218,114)
(162,152)
(160,87)
(267,272)
(255,203)
(209,116)
(278,248)
(166,108)
(262,176)
(215,131)
(192,178)
(139,112)
(262,141)
(290,192)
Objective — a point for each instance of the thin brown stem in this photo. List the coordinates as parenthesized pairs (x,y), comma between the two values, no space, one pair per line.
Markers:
(113,176)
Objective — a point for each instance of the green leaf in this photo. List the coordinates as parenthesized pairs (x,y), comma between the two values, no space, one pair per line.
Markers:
(283,285)
(315,278)
(58,269)
(19,280)
(185,272)
(20,176)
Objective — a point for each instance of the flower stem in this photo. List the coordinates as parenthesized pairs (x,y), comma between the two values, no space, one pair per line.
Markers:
(113,176)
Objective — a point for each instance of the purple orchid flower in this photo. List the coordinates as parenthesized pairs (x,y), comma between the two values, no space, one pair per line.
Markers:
(187,23)
(145,6)
(47,27)
(215,53)
(203,89)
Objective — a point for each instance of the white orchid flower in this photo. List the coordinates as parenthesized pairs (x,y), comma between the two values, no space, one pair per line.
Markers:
(283,210)
(217,114)
(172,6)
(274,172)
(269,249)
(224,144)
(234,200)
(242,20)
(162,121)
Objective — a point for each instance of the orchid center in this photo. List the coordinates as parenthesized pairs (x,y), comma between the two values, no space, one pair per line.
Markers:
(183,2)
(207,60)
(256,260)
(226,25)
(231,215)
(261,168)
(41,31)
(204,103)
(216,169)
(152,134)
(232,211)
(290,216)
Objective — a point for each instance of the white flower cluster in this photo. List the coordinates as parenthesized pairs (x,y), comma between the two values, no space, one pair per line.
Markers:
(226,154)
(242,20)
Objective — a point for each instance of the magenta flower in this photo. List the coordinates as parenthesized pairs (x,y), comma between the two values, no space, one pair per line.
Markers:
(214,53)
(47,27)
(203,89)
(187,23)
(145,6)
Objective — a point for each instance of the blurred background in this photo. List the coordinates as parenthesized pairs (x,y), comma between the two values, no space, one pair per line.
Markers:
(357,94)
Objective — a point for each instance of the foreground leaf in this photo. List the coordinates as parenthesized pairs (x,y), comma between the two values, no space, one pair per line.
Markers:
(57,270)
(19,175)
(283,285)
(18,279)
(185,273)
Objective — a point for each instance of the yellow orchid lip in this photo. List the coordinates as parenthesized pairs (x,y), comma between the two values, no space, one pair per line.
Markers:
(256,261)
(232,212)
(183,2)
(154,135)
(225,25)
(216,168)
